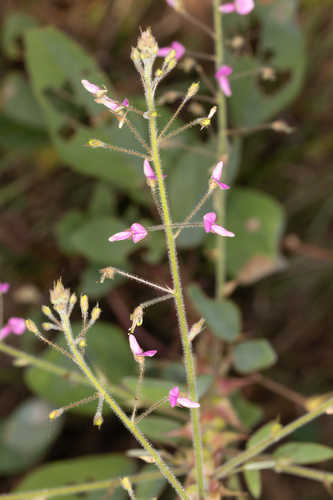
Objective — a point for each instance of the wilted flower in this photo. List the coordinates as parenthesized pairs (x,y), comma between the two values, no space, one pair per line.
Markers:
(211,227)
(101,98)
(137,350)
(242,7)
(222,77)
(4,287)
(217,174)
(176,46)
(175,399)
(137,232)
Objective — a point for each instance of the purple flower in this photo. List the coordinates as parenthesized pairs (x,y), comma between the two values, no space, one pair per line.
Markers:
(217,174)
(101,98)
(222,77)
(149,172)
(137,232)
(137,350)
(175,399)
(176,46)
(14,325)
(242,7)
(4,287)
(92,88)
(211,227)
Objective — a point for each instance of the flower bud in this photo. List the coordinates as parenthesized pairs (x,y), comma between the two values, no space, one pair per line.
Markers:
(31,326)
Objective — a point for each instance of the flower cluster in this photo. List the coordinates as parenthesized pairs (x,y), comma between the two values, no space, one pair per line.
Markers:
(242,7)
(14,325)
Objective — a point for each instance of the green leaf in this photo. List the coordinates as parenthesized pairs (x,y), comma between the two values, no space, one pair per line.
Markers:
(264,432)
(65,228)
(253,355)
(153,389)
(80,470)
(249,413)
(149,489)
(13,29)
(257,220)
(26,435)
(91,285)
(222,317)
(253,481)
(157,429)
(107,349)
(15,136)
(252,102)
(90,239)
(303,453)
(68,109)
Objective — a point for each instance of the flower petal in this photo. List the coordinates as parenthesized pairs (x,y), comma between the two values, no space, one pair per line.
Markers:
(5,331)
(109,103)
(222,231)
(17,325)
(209,220)
(91,87)
(149,354)
(163,51)
(223,70)
(148,171)
(4,287)
(244,7)
(188,403)
(224,85)
(134,345)
(222,185)
(138,232)
(217,172)
(123,235)
(179,49)
(227,8)
(173,396)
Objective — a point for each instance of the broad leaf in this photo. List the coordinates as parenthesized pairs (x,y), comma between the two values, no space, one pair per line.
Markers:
(253,355)
(303,453)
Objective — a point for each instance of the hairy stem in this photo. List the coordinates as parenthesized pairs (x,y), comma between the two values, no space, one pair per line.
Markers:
(118,411)
(178,292)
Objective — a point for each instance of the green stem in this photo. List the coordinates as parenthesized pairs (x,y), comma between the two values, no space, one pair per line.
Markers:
(80,488)
(252,452)
(318,475)
(178,293)
(118,411)
(219,195)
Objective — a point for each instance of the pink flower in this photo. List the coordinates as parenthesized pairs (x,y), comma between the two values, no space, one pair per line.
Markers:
(171,3)
(92,88)
(217,174)
(137,232)
(4,287)
(211,227)
(222,77)
(14,325)
(176,46)
(101,98)
(175,399)
(149,172)
(137,350)
(242,7)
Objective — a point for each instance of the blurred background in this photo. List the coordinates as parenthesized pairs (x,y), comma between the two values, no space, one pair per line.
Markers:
(60,200)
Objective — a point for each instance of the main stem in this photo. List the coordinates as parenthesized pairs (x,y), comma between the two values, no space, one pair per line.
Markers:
(178,293)
(118,411)
(222,149)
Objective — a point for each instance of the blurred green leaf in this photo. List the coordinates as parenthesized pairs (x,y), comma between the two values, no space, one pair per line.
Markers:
(253,482)
(222,317)
(14,27)
(15,136)
(107,349)
(250,414)
(149,489)
(281,46)
(102,200)
(303,453)
(80,470)
(257,220)
(158,429)
(19,103)
(91,285)
(65,228)
(262,433)
(153,389)
(253,355)
(26,435)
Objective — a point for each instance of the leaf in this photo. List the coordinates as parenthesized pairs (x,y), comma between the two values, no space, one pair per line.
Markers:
(65,228)
(15,25)
(68,109)
(158,429)
(249,413)
(253,355)
(80,470)
(253,481)
(26,435)
(91,285)
(257,220)
(303,453)
(107,349)
(153,389)
(222,317)
(252,102)
(149,489)
(15,136)
(262,433)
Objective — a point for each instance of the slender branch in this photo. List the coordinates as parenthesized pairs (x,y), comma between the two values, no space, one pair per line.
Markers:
(151,409)
(124,150)
(194,211)
(141,280)
(174,116)
(152,302)
(197,23)
(83,487)
(138,389)
(181,129)
(173,261)
(281,390)
(219,197)
(117,410)
(200,55)
(245,456)
(137,134)
(317,475)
